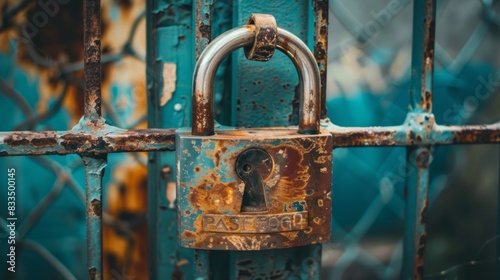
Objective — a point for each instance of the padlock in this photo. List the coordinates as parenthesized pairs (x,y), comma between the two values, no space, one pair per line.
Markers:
(253,188)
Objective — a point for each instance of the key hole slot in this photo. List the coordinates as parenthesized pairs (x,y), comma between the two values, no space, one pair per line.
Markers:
(254,166)
(247,167)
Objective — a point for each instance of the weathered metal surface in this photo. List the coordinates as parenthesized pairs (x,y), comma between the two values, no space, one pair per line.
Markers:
(113,140)
(204,76)
(419,129)
(294,263)
(203,26)
(202,267)
(266,32)
(255,223)
(92,58)
(210,193)
(281,222)
(321,47)
(170,40)
(94,168)
(418,161)
(212,56)
(310,84)
(423,56)
(109,140)
(266,96)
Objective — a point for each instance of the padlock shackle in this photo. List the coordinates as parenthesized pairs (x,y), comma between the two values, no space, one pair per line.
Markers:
(210,59)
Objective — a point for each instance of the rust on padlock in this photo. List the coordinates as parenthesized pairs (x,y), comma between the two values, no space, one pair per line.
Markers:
(261,188)
(263,223)
(297,191)
(266,34)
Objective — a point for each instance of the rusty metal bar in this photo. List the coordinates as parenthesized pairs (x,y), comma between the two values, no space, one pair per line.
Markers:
(424,16)
(421,123)
(93,124)
(203,32)
(417,184)
(71,142)
(145,140)
(405,135)
(94,169)
(92,58)
(321,47)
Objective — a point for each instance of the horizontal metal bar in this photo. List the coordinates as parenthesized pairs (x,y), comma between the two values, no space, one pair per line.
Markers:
(414,133)
(109,140)
(419,129)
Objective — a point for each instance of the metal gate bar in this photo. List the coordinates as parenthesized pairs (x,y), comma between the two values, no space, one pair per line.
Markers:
(110,139)
(92,139)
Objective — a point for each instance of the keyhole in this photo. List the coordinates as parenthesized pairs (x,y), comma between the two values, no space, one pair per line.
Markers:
(254,166)
(247,167)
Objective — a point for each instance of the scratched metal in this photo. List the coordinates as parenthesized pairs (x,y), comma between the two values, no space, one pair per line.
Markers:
(114,140)
(266,31)
(106,140)
(208,187)
(418,129)
(417,183)
(321,46)
(92,58)
(92,119)
(203,31)
(416,210)
(94,168)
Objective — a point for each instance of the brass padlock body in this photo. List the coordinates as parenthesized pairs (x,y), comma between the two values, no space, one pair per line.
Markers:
(209,192)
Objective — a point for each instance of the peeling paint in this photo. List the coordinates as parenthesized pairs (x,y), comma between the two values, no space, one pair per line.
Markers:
(169,81)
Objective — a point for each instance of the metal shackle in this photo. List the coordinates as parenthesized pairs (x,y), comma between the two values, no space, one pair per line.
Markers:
(210,59)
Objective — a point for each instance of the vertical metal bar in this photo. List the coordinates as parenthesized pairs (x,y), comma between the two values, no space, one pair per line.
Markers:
(424,22)
(203,32)
(321,47)
(154,116)
(92,58)
(94,167)
(203,36)
(202,269)
(419,158)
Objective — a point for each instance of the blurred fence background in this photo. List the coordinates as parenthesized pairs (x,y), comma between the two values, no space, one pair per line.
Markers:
(41,88)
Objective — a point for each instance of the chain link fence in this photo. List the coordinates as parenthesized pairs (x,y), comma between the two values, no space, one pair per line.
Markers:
(41,84)
(369,74)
